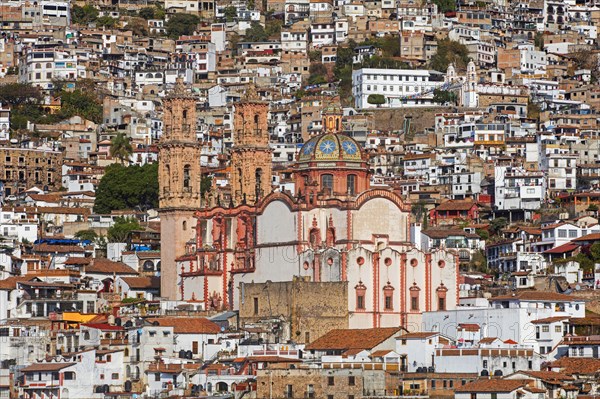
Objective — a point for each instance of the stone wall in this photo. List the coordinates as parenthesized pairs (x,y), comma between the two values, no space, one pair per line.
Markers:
(310,309)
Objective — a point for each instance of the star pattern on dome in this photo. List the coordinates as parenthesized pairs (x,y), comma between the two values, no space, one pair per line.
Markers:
(308,148)
(349,147)
(327,146)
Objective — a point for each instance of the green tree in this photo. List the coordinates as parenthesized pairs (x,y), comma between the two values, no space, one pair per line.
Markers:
(376,99)
(205,184)
(127,187)
(87,235)
(390,46)
(138,26)
(181,24)
(119,231)
(482,233)
(230,13)
(120,147)
(273,28)
(449,52)
(83,15)
(444,96)
(445,5)
(82,102)
(497,225)
(18,94)
(318,73)
(314,56)
(147,13)
(256,33)
(107,22)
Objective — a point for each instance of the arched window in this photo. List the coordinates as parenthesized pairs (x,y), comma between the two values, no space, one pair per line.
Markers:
(414,298)
(256,127)
(184,225)
(441,294)
(361,291)
(186,176)
(351,184)
(258,177)
(388,297)
(327,182)
(167,181)
(184,115)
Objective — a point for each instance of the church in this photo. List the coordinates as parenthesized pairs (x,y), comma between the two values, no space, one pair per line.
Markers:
(335,227)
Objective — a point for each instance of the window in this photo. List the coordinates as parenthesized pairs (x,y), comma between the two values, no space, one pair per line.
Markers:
(351,381)
(360,302)
(351,184)
(186,177)
(493,395)
(289,391)
(485,364)
(115,376)
(572,233)
(546,328)
(330,381)
(389,305)
(327,182)
(441,303)
(255,306)
(69,375)
(562,233)
(558,329)
(156,376)
(414,304)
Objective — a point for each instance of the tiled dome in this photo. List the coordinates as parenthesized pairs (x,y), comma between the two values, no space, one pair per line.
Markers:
(330,147)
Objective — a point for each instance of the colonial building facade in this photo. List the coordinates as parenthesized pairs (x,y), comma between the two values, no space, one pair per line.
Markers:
(334,228)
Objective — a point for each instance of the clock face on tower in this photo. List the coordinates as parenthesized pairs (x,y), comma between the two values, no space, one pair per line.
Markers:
(327,147)
(349,147)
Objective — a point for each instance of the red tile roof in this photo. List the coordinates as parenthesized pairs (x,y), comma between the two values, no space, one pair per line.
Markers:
(493,385)
(188,325)
(455,205)
(548,320)
(344,339)
(105,266)
(45,367)
(576,366)
(588,237)
(561,249)
(142,282)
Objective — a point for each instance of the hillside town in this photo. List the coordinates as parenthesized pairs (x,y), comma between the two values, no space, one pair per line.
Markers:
(329,199)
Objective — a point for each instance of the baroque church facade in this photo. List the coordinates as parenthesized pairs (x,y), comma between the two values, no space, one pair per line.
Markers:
(334,228)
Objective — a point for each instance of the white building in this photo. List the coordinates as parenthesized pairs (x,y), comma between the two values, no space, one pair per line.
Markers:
(41,67)
(518,189)
(400,87)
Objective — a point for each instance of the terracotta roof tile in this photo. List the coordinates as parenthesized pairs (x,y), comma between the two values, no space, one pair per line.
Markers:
(10,283)
(455,205)
(576,366)
(41,367)
(106,266)
(354,338)
(142,282)
(188,325)
(493,385)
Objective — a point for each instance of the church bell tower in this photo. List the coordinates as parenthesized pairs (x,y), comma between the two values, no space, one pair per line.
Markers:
(179,182)
(251,155)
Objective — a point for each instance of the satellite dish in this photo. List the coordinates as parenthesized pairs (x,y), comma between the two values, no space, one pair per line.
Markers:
(577,287)
(222,329)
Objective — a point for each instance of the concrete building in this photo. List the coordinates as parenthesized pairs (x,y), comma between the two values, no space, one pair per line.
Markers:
(400,87)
